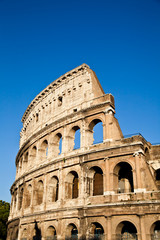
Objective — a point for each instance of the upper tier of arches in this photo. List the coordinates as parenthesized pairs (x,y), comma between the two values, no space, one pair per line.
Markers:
(79,135)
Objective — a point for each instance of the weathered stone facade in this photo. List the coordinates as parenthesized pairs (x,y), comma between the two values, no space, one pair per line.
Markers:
(108,190)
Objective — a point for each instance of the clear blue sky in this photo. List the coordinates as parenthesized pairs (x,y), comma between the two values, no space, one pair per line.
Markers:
(42,39)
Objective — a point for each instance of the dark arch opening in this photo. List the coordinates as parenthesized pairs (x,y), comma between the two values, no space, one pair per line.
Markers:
(158,174)
(97,181)
(123,177)
(72,232)
(155,231)
(126,231)
(75,186)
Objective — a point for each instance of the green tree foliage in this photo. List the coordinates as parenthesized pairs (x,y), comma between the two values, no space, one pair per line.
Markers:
(4,213)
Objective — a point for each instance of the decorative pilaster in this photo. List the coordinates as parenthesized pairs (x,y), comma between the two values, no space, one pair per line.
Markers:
(139,187)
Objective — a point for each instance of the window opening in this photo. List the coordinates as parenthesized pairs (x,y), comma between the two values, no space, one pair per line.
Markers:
(123,178)
(156,231)
(37,117)
(127,231)
(158,174)
(96,231)
(60,101)
(39,193)
(75,187)
(77,139)
(60,145)
(98,182)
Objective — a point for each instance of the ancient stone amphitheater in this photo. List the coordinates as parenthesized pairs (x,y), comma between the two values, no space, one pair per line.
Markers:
(70,186)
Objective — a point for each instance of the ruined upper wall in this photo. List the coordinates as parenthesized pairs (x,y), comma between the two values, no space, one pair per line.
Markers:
(70,93)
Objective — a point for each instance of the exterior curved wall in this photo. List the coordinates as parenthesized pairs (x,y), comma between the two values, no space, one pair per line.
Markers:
(97,190)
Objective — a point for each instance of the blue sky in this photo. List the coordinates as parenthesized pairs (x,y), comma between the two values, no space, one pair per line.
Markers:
(42,39)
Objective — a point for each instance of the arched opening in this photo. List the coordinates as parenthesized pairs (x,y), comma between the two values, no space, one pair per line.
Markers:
(77,139)
(39,193)
(53,189)
(20,198)
(60,145)
(57,145)
(74,138)
(28,195)
(155,231)
(157,173)
(15,201)
(95,181)
(147,154)
(33,154)
(72,185)
(25,161)
(95,132)
(123,178)
(44,150)
(71,232)
(51,233)
(24,234)
(75,186)
(96,231)
(126,231)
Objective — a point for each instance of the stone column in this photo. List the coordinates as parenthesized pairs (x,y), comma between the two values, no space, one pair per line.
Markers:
(32,195)
(142,227)
(65,141)
(107,184)
(83,134)
(45,192)
(61,185)
(109,228)
(139,187)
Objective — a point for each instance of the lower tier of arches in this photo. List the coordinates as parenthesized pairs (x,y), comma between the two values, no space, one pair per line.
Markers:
(115,227)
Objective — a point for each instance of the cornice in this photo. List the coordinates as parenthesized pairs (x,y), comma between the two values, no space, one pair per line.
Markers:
(52,86)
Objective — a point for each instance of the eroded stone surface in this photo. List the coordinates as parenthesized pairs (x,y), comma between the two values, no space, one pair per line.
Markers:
(109,189)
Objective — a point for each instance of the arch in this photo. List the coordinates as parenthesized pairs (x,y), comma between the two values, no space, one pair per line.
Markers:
(51,233)
(126,230)
(20,199)
(95,181)
(155,230)
(53,189)
(157,174)
(15,201)
(28,194)
(33,154)
(44,150)
(123,178)
(74,138)
(25,160)
(95,131)
(96,231)
(39,192)
(72,185)
(146,151)
(71,232)
(57,143)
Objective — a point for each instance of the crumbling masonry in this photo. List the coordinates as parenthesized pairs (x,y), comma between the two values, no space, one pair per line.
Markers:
(107,190)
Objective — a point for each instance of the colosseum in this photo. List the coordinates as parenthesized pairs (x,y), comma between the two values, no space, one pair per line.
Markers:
(70,185)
